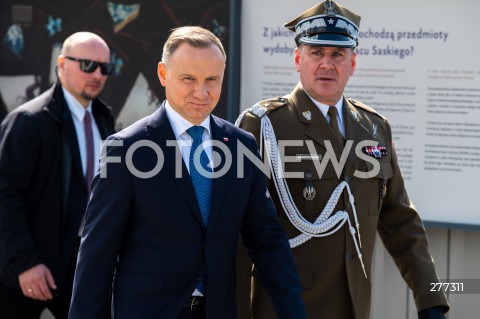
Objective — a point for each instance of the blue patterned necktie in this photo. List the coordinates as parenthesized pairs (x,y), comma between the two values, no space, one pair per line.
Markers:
(202,184)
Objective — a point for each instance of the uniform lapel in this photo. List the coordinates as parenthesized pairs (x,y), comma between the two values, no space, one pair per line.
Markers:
(160,131)
(356,130)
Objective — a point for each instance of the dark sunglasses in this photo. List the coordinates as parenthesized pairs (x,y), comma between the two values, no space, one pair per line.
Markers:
(89,66)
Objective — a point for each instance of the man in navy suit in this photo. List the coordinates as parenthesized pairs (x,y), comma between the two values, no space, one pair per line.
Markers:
(160,240)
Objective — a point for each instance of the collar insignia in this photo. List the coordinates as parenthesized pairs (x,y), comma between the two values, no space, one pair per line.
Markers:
(374,131)
(355,115)
(307,115)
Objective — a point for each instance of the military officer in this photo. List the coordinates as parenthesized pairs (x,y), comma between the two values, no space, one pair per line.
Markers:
(337,182)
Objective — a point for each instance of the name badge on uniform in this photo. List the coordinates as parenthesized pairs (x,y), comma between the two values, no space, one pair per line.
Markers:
(309,157)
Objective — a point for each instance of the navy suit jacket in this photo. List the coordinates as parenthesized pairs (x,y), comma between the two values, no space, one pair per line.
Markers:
(145,241)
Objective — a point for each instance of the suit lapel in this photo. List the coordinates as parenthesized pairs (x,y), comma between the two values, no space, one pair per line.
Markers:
(160,131)
(72,140)
(57,109)
(100,121)
(220,181)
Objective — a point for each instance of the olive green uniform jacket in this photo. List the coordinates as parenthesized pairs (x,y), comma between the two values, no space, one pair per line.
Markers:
(332,277)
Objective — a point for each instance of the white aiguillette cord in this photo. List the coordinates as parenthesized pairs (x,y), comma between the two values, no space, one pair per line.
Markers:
(325,224)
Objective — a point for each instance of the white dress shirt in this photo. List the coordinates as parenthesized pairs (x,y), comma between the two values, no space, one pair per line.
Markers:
(180,126)
(78,114)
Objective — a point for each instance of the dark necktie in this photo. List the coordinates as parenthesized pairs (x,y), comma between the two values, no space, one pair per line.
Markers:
(332,112)
(87,125)
(201,183)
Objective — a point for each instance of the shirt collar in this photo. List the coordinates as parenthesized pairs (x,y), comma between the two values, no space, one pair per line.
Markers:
(77,109)
(324,108)
(179,124)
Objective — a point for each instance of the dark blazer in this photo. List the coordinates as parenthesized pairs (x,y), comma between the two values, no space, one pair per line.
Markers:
(331,274)
(42,190)
(149,232)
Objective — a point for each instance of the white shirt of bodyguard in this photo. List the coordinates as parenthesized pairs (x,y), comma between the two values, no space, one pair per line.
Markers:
(180,126)
(78,114)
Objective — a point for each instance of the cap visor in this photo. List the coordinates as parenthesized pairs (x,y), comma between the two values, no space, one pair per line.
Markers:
(328,40)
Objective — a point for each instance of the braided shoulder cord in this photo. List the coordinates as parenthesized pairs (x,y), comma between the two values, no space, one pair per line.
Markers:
(259,111)
(325,224)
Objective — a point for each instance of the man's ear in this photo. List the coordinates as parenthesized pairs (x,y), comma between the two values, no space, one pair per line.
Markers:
(297,59)
(162,73)
(60,63)
(354,62)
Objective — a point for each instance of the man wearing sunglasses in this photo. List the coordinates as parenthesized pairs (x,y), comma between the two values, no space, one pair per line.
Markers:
(49,149)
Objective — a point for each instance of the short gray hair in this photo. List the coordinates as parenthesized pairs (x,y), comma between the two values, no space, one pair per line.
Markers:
(195,36)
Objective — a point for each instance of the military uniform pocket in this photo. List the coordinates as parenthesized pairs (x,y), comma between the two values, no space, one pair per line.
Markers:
(306,274)
(377,187)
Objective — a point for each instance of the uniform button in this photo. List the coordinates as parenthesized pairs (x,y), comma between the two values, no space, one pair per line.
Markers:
(308,174)
(350,255)
(347,179)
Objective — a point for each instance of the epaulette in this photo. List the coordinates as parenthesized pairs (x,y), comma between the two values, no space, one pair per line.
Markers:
(365,107)
(266,106)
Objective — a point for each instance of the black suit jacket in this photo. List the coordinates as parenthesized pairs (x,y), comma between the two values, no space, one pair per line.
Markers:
(149,231)
(42,190)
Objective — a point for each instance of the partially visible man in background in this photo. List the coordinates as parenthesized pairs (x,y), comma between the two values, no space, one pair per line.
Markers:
(332,213)
(49,151)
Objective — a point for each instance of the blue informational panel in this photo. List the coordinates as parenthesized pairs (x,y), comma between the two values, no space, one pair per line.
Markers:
(417,64)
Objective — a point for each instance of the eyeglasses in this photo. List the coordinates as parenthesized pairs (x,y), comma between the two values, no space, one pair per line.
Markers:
(89,66)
